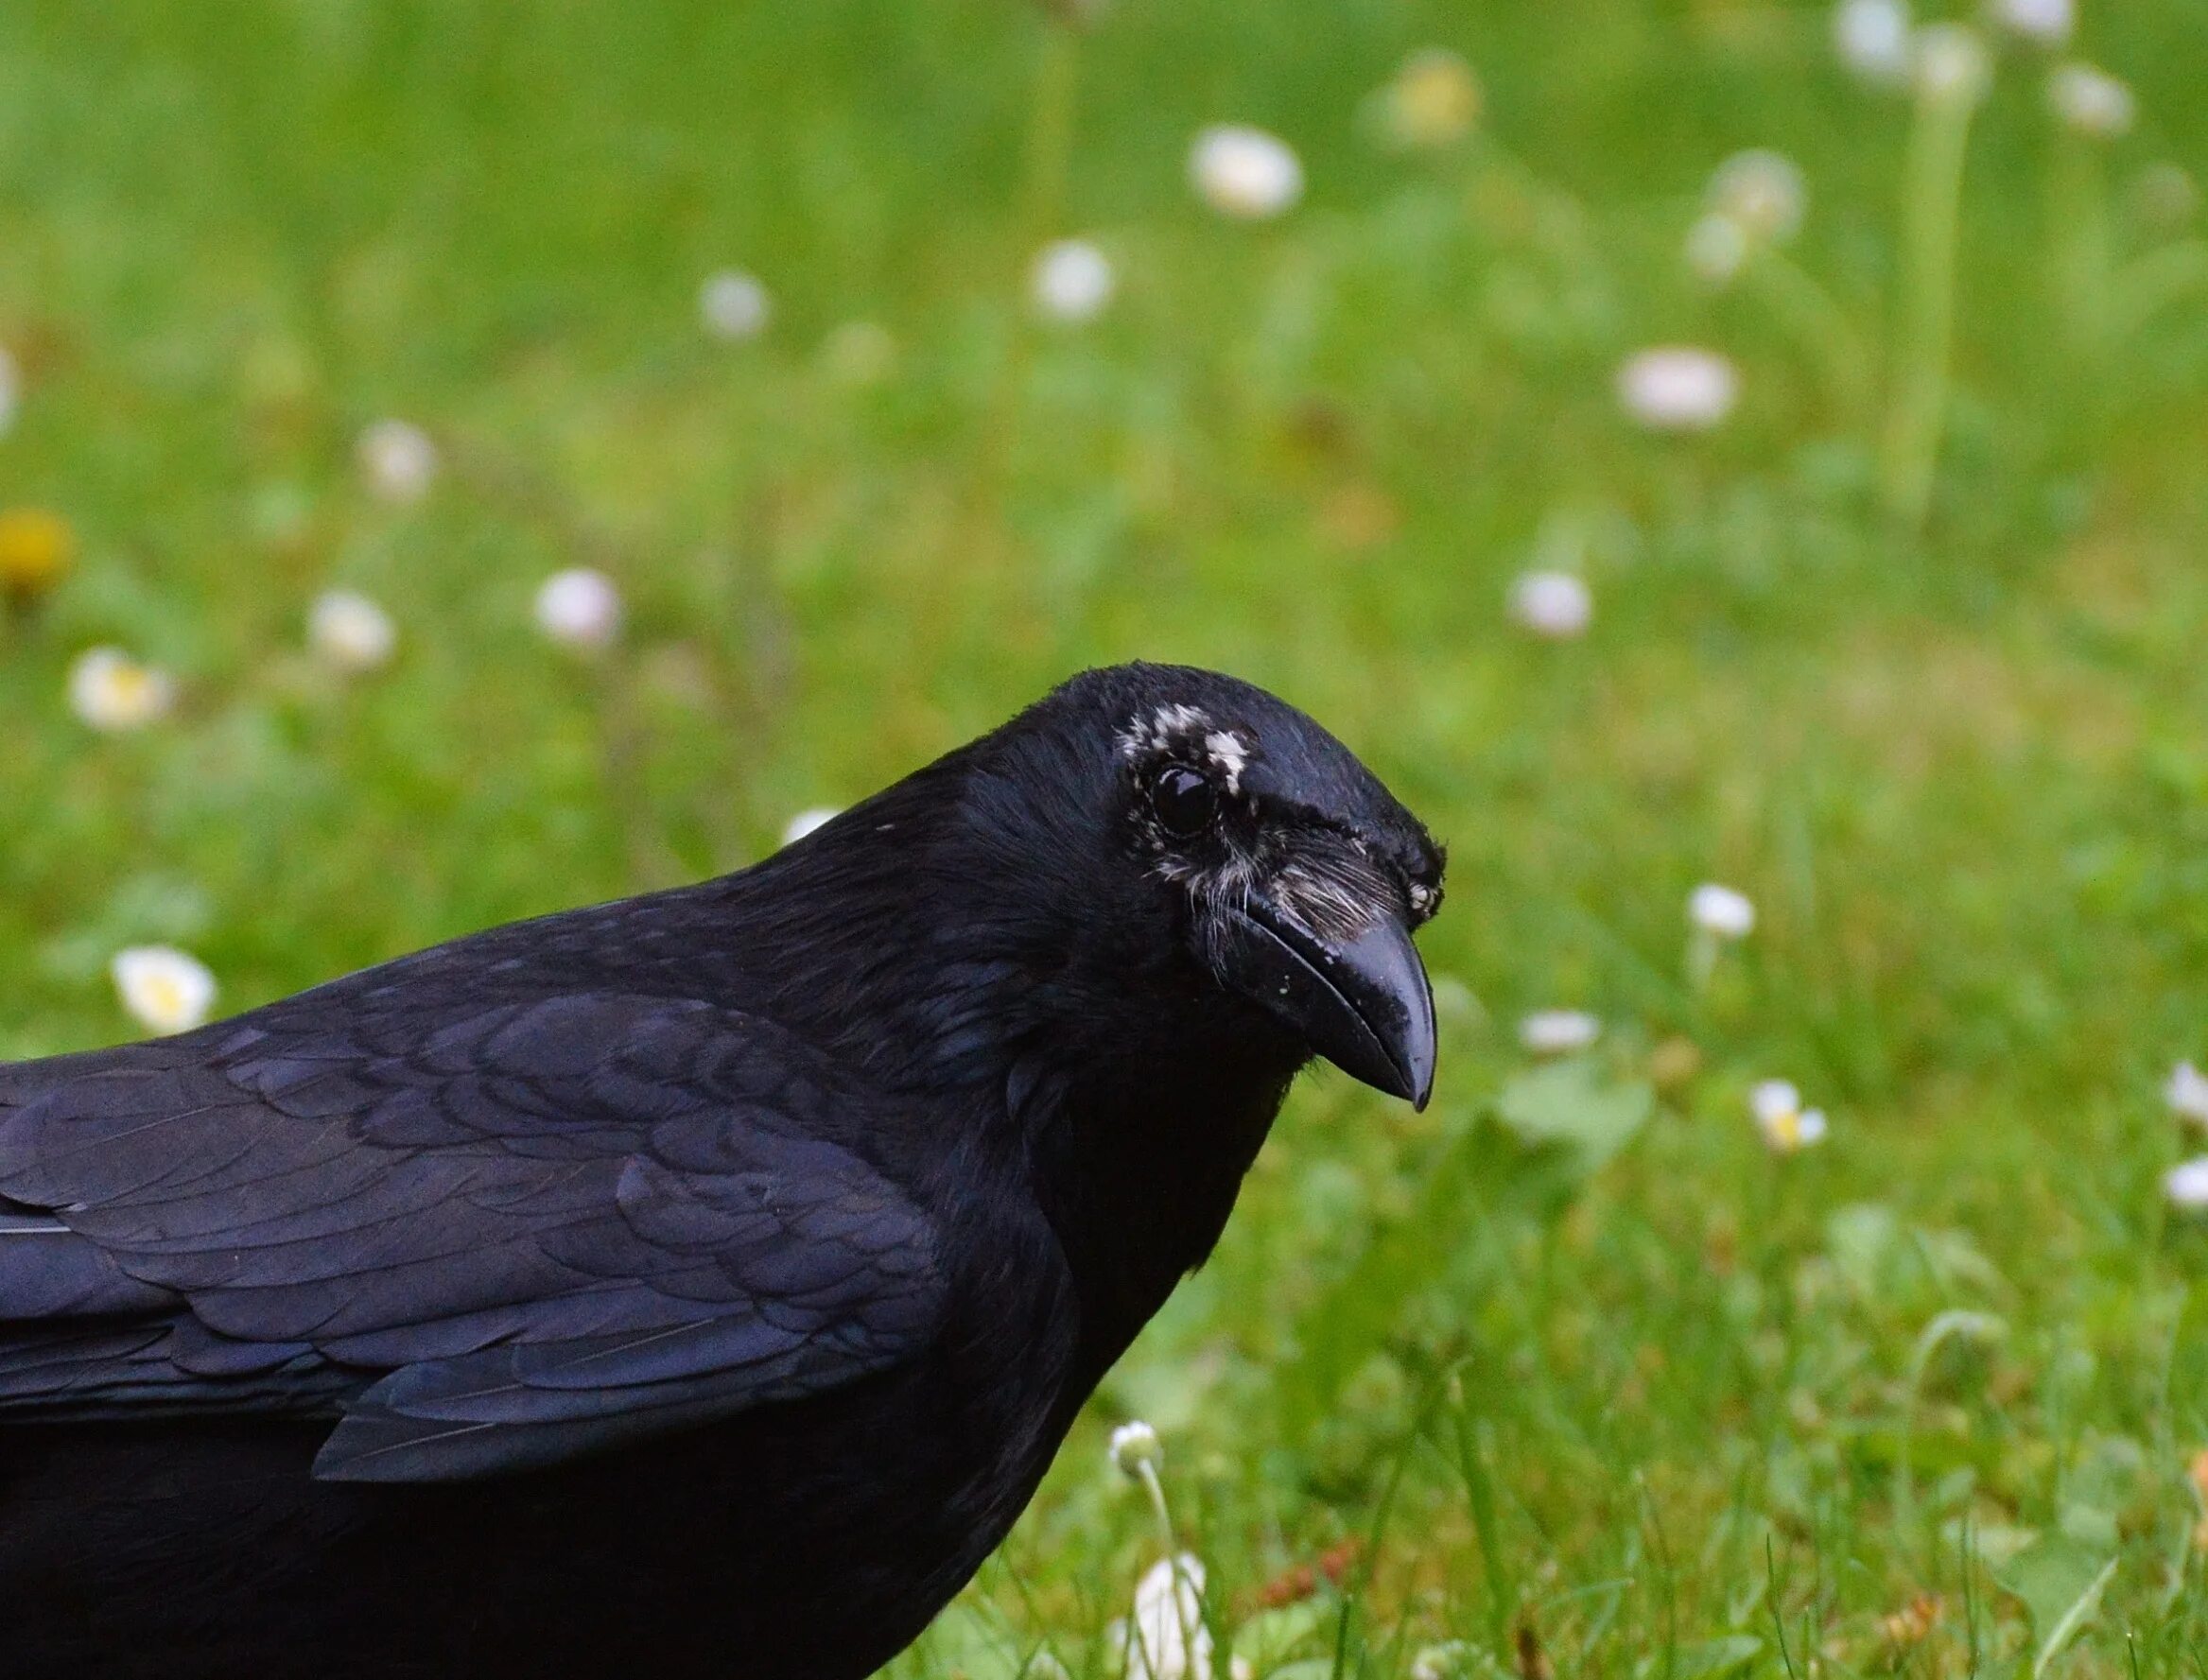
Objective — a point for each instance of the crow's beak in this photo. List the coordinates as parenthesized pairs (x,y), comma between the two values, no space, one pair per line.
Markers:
(1364,1003)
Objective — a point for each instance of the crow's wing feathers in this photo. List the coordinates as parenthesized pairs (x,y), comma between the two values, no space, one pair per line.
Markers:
(543,1228)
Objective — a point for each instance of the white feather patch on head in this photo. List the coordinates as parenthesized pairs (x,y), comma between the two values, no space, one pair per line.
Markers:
(1230,754)
(1160,731)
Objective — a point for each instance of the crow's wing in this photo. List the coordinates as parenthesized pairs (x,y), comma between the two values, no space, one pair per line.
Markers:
(483,1243)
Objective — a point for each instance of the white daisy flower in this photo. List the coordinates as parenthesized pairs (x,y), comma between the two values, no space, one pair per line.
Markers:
(1166,1636)
(1245,172)
(1559,1031)
(165,990)
(1786,1124)
(812,817)
(734,306)
(1721,910)
(111,691)
(398,460)
(2187,1094)
(1763,192)
(350,633)
(1072,280)
(1873,38)
(579,608)
(2186,1184)
(1950,64)
(2090,101)
(1553,604)
(1677,387)
(2047,21)
(1135,1445)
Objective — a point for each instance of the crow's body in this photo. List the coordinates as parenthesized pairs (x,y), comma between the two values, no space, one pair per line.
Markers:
(695,1285)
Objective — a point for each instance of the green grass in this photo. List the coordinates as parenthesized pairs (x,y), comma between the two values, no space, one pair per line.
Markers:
(1642,1402)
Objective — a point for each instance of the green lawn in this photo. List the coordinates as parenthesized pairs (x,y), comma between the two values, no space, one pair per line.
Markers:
(1598,1383)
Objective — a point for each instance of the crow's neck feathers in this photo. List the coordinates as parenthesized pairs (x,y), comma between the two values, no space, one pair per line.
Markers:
(979,933)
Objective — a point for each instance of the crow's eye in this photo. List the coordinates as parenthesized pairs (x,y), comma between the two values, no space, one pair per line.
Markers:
(1185,801)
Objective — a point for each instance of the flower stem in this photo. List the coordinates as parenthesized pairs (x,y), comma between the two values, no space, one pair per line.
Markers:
(1924,342)
(1190,1627)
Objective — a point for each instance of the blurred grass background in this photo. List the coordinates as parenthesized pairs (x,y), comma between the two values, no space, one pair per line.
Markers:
(1569,1375)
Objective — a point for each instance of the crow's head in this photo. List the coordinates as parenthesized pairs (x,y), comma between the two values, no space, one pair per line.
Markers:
(1187,810)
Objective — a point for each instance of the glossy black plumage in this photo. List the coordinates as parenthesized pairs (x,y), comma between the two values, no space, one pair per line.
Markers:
(693,1284)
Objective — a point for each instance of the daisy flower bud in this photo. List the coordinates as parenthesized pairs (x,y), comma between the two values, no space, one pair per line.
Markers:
(1134,1445)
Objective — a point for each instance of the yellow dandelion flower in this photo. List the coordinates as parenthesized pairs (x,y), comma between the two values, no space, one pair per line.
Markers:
(36,549)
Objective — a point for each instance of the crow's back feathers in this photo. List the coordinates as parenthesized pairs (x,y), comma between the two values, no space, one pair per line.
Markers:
(505,1238)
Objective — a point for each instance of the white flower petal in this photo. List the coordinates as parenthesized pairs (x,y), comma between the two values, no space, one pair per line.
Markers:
(1072,280)
(1721,910)
(2187,1094)
(110,691)
(2186,1184)
(164,989)
(350,632)
(1168,1639)
(1774,1099)
(1552,604)
(2091,101)
(1559,1031)
(812,817)
(734,306)
(1677,387)
(1245,172)
(398,460)
(1873,39)
(2047,22)
(580,609)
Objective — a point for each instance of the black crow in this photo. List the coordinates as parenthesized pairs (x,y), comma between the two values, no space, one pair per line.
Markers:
(696,1285)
